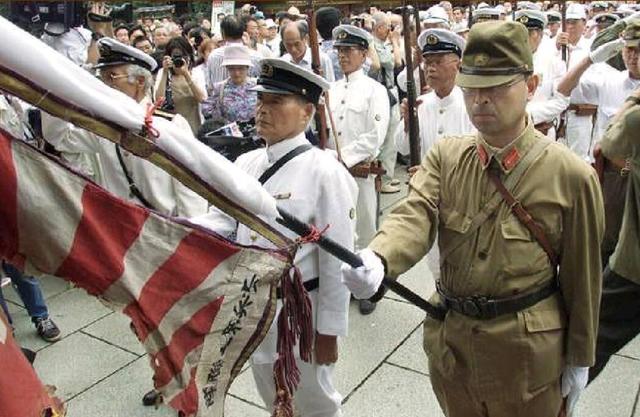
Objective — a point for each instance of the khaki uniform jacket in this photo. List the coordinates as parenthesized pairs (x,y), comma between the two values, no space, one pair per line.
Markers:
(513,355)
(621,141)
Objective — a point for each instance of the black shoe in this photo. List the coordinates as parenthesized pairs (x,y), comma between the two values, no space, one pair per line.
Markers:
(47,329)
(152,397)
(366,307)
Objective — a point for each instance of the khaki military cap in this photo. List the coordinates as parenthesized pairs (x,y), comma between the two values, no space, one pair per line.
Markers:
(496,53)
(631,34)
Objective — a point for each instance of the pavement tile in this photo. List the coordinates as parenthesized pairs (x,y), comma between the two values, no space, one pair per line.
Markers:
(606,398)
(632,348)
(120,395)
(371,339)
(51,286)
(410,354)
(393,391)
(71,311)
(77,362)
(115,329)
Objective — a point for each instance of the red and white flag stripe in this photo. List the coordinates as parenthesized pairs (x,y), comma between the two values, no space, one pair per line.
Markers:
(197,302)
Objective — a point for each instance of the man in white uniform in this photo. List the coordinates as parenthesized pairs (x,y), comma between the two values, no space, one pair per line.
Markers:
(441,112)
(546,106)
(360,108)
(132,178)
(314,186)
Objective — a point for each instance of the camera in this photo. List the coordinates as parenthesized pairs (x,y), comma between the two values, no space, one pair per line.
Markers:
(178,61)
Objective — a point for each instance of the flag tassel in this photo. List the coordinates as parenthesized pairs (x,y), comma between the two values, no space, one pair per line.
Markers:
(294,325)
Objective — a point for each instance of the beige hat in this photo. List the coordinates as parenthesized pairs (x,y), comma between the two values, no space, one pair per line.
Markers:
(236,55)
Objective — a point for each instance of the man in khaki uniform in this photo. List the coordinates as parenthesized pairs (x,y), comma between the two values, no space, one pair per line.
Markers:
(620,319)
(518,328)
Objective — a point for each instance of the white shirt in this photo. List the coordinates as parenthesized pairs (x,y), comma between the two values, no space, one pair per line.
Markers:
(360,109)
(438,118)
(11,118)
(610,92)
(547,103)
(167,194)
(305,62)
(325,194)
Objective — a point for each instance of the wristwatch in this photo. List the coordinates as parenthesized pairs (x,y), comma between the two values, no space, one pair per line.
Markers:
(633,99)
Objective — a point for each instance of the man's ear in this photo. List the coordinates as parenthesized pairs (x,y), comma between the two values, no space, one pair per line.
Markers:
(532,85)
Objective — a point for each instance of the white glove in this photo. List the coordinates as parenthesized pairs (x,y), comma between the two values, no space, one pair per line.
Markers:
(574,381)
(631,17)
(608,50)
(364,281)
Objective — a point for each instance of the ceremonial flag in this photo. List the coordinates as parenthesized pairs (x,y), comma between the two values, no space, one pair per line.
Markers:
(199,303)
(22,393)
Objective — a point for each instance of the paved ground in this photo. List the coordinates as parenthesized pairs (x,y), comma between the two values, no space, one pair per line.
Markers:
(100,369)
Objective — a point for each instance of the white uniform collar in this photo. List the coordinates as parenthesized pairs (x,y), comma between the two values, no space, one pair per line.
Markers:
(356,75)
(448,100)
(280,149)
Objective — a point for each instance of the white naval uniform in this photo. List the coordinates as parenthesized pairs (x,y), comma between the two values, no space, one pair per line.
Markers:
(360,108)
(611,92)
(317,189)
(580,128)
(547,103)
(11,118)
(437,118)
(167,194)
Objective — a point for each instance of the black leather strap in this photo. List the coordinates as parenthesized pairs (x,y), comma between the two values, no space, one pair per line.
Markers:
(484,308)
(280,162)
(132,185)
(311,285)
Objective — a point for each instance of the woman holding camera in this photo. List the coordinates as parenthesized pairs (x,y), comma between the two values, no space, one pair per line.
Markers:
(182,90)
(232,100)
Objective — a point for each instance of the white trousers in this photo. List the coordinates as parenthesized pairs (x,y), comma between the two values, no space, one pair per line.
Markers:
(388,150)
(315,397)
(579,135)
(365,212)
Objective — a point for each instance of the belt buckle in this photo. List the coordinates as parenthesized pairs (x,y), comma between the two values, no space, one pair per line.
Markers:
(479,307)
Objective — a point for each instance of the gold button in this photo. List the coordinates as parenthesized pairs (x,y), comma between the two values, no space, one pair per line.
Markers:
(341,117)
(440,131)
(441,111)
(339,133)
(342,102)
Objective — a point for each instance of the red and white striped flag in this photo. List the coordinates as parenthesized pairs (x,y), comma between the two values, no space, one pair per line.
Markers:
(199,303)
(22,393)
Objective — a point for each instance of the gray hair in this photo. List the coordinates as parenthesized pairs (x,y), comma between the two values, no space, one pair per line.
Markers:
(301,25)
(136,71)
(379,18)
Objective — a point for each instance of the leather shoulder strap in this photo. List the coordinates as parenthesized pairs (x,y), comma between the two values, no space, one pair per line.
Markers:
(525,218)
(282,161)
(495,200)
(132,185)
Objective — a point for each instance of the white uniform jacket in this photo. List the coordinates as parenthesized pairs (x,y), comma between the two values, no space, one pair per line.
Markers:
(360,109)
(547,103)
(167,194)
(437,118)
(318,190)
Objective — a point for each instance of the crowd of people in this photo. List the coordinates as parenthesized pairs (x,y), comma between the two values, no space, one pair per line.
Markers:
(543,300)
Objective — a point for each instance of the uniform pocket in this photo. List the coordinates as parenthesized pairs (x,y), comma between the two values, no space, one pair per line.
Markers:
(545,340)
(455,221)
(522,253)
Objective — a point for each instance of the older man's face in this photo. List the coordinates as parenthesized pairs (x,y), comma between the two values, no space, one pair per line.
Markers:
(630,57)
(116,77)
(293,43)
(281,116)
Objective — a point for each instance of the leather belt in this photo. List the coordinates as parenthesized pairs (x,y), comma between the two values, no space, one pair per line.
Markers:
(310,285)
(583,109)
(483,308)
(364,169)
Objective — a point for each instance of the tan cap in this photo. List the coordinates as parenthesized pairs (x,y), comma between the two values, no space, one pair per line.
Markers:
(631,34)
(497,52)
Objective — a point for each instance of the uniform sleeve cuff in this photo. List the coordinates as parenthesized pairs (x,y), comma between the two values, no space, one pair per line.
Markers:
(332,323)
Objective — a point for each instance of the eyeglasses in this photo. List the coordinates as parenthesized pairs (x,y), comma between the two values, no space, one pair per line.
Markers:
(492,92)
(110,78)
(438,61)
(346,50)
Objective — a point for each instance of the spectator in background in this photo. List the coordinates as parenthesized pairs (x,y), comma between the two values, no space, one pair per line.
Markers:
(272,37)
(196,36)
(295,37)
(122,33)
(186,91)
(206,24)
(143,43)
(252,29)
(232,29)
(232,100)
(160,37)
(327,18)
(136,31)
